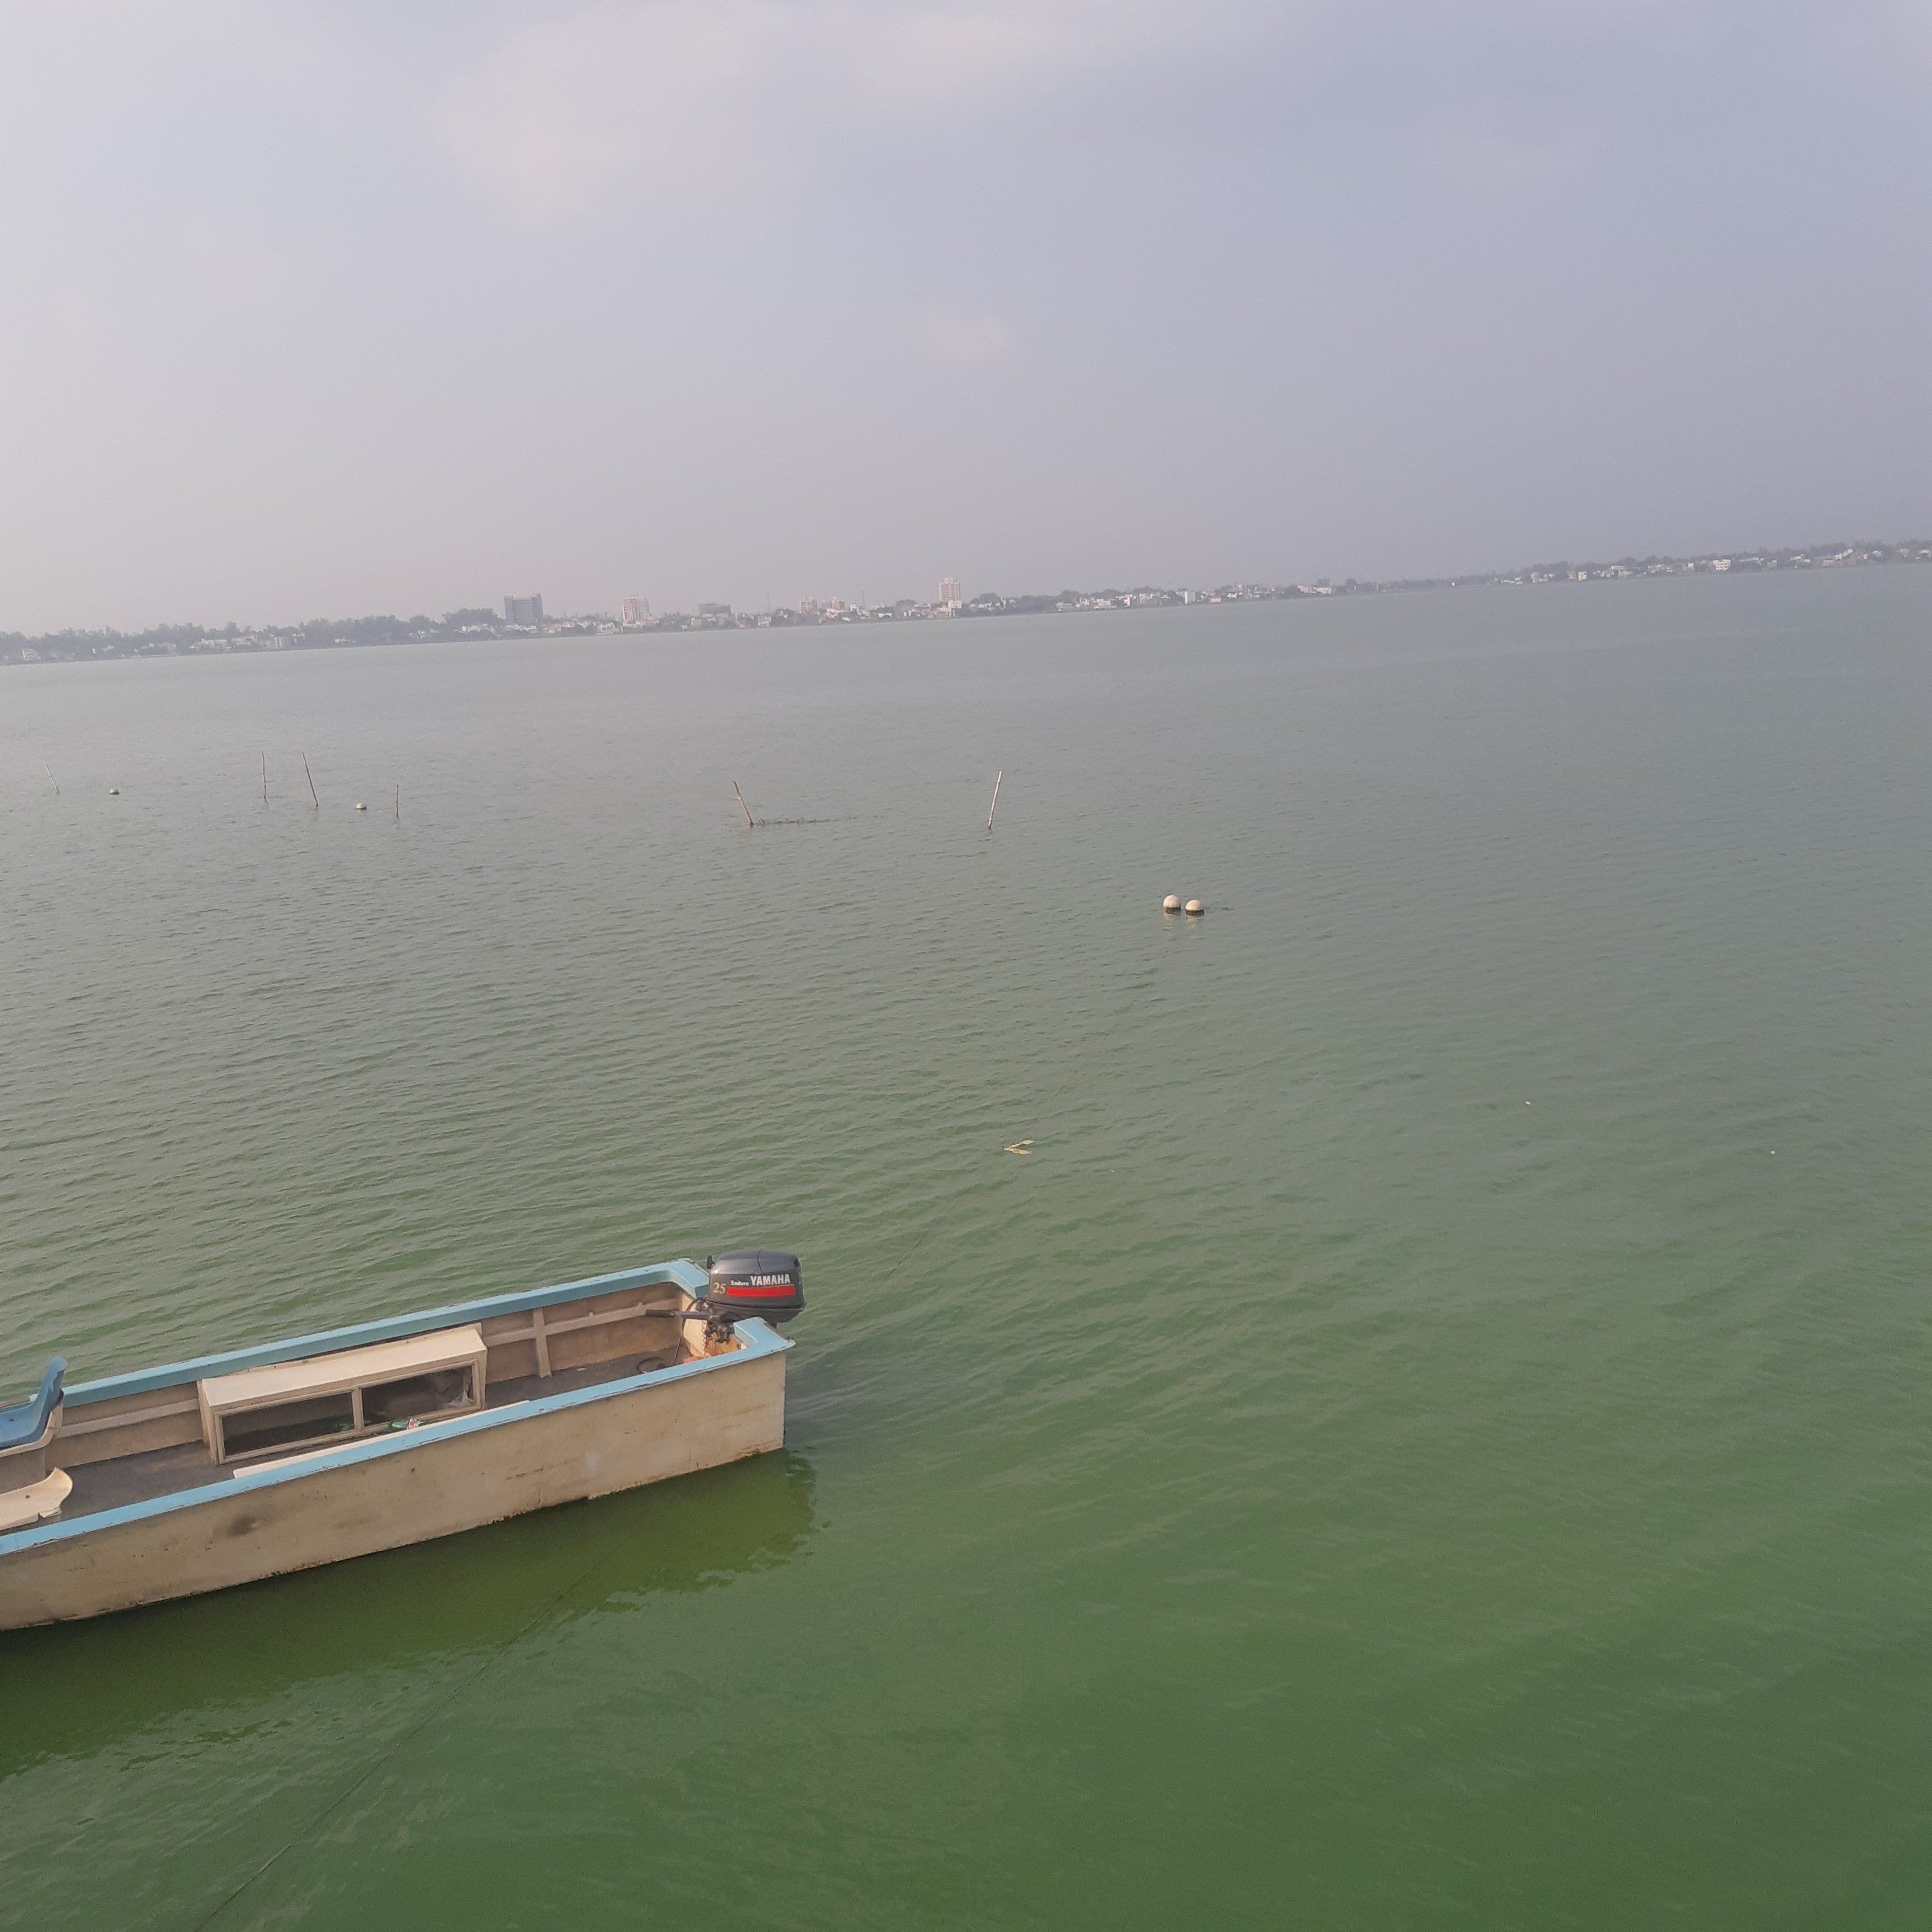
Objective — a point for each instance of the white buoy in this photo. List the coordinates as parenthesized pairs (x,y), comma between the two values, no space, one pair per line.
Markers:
(1171,903)
(360,806)
(113,791)
(1195,908)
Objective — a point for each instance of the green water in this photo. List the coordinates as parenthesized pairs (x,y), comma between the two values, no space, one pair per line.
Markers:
(1434,1434)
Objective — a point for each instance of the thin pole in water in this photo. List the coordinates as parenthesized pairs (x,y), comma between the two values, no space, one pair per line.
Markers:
(995,805)
(310,776)
(399,805)
(751,824)
(51,779)
(264,777)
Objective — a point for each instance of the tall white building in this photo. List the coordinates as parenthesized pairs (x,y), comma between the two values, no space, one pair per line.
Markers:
(637,609)
(948,592)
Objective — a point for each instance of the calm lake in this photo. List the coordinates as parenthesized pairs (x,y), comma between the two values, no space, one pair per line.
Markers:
(1435,1432)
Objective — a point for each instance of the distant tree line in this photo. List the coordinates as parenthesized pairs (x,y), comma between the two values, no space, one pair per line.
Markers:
(183,639)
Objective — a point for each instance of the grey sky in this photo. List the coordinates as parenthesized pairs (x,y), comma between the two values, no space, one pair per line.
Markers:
(309,309)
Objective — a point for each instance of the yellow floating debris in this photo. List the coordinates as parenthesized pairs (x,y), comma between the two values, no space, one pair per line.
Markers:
(1018,1147)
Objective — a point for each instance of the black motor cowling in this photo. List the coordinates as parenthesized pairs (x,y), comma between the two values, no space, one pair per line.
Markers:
(757,1281)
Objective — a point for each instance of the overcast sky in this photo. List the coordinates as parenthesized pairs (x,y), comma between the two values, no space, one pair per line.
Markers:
(313,309)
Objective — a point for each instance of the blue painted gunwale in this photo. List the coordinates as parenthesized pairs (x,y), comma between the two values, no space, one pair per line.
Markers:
(757,1338)
(684,1274)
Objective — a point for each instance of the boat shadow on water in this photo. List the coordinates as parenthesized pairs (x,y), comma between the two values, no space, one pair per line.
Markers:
(67,1690)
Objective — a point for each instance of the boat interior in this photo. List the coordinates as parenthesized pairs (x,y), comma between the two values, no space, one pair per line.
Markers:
(61,1462)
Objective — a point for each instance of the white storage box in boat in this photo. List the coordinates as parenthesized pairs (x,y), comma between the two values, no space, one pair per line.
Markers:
(289,1405)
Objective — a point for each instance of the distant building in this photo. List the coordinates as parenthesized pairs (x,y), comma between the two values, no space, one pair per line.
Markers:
(637,609)
(948,592)
(718,610)
(523,609)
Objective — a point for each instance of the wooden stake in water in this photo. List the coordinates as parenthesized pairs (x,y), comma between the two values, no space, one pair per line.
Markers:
(310,776)
(51,779)
(995,805)
(751,823)
(399,805)
(264,777)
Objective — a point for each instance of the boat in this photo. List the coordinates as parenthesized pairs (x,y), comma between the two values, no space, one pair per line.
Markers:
(228,1468)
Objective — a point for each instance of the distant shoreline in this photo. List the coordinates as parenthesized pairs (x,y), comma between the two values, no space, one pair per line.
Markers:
(480,626)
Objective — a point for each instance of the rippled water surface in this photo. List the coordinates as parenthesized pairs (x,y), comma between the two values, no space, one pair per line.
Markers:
(1434,1433)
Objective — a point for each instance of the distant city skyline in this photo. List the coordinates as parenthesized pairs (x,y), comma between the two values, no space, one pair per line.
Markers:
(851,292)
(473,623)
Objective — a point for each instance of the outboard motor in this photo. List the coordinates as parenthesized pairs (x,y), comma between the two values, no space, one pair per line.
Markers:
(756,1281)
